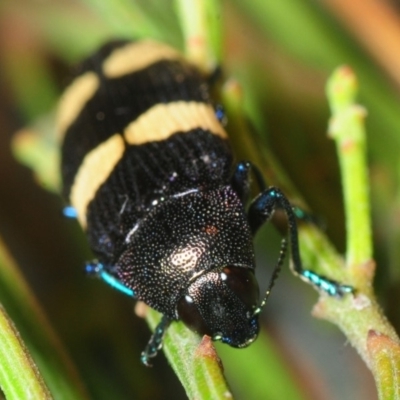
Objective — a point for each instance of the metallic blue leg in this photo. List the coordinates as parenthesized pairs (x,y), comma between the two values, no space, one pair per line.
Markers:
(301,214)
(329,286)
(97,269)
(261,209)
(155,342)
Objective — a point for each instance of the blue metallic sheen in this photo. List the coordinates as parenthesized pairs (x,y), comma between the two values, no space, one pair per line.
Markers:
(328,286)
(98,270)
(70,212)
(116,284)
(220,113)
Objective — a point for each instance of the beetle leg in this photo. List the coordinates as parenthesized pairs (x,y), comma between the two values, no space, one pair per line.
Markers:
(261,210)
(301,214)
(155,342)
(241,179)
(98,270)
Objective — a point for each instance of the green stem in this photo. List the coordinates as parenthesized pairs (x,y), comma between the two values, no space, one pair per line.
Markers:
(194,361)
(355,315)
(346,127)
(201,30)
(359,317)
(19,376)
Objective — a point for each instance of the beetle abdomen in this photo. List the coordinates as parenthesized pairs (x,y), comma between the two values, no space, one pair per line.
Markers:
(137,125)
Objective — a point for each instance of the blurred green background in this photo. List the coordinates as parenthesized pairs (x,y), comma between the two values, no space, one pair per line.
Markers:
(282,53)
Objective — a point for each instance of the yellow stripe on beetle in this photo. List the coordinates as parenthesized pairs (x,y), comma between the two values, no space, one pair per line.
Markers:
(136,56)
(74,99)
(94,171)
(163,120)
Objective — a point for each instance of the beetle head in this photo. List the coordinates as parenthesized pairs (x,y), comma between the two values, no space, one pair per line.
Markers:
(221,304)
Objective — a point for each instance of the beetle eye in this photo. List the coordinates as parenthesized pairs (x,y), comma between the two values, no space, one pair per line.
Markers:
(243,283)
(189,314)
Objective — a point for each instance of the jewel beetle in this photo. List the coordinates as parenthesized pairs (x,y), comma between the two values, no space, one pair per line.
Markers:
(149,173)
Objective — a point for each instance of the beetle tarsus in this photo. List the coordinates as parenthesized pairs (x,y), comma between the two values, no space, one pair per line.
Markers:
(331,287)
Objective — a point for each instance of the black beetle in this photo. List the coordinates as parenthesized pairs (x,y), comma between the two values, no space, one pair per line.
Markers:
(147,166)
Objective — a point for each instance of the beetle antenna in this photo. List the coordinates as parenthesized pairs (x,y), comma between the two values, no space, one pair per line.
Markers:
(275,274)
